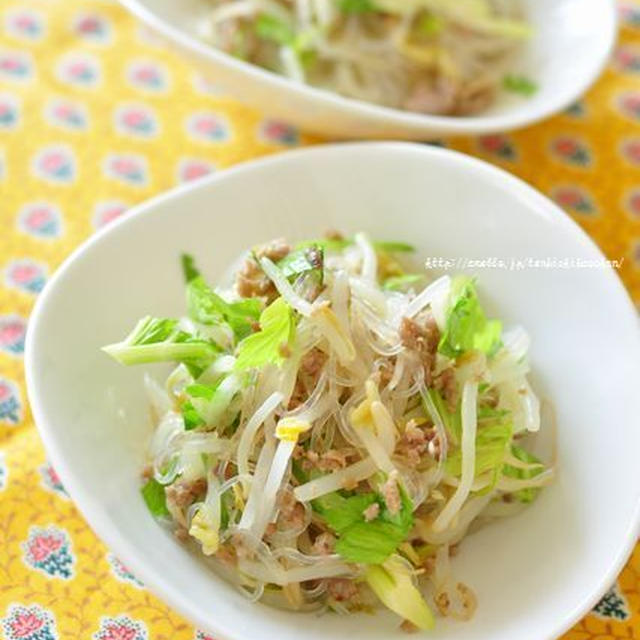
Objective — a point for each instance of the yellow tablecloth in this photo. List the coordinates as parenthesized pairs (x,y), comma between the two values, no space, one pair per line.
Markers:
(95,115)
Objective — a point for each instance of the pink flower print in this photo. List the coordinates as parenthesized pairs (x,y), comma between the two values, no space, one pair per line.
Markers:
(79,69)
(40,548)
(15,65)
(193,169)
(66,114)
(122,572)
(63,111)
(38,216)
(28,623)
(631,150)
(111,215)
(492,143)
(25,275)
(629,14)
(208,127)
(88,24)
(205,126)
(627,59)
(48,550)
(276,131)
(24,24)
(120,628)
(118,632)
(147,76)
(136,120)
(25,272)
(571,150)
(574,199)
(130,169)
(12,334)
(629,104)
(42,220)
(107,211)
(51,480)
(25,624)
(632,202)
(498,145)
(9,64)
(8,111)
(10,405)
(55,163)
(123,165)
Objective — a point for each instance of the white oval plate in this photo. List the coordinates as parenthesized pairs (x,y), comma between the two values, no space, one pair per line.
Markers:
(534,574)
(571,43)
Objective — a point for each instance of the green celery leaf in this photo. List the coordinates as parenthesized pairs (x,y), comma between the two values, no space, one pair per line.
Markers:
(452,420)
(207,307)
(189,269)
(277,328)
(519,84)
(356,6)
(368,542)
(491,413)
(224,513)
(430,25)
(400,283)
(393,247)
(299,473)
(340,513)
(160,340)
(271,28)
(491,445)
(301,261)
(206,391)
(524,495)
(393,584)
(466,326)
(326,244)
(361,541)
(331,244)
(153,330)
(191,417)
(155,499)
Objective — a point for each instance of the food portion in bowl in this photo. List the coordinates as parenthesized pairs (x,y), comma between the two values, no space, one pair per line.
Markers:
(427,56)
(335,425)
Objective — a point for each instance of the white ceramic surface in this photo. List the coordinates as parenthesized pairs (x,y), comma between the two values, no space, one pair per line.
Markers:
(534,574)
(572,41)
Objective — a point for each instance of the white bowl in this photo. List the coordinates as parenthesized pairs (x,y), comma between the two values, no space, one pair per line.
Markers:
(534,574)
(572,41)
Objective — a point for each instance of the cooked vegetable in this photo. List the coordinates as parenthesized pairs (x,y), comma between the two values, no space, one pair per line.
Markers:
(330,435)
(161,340)
(392,583)
(277,326)
(153,495)
(426,56)
(519,84)
(467,327)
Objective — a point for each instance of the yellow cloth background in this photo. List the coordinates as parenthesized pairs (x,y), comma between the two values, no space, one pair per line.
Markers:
(95,115)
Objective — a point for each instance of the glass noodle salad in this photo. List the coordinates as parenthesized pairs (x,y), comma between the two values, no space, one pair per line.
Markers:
(334,425)
(426,56)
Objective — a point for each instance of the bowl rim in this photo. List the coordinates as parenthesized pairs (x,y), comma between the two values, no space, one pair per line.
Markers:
(94,515)
(443,125)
